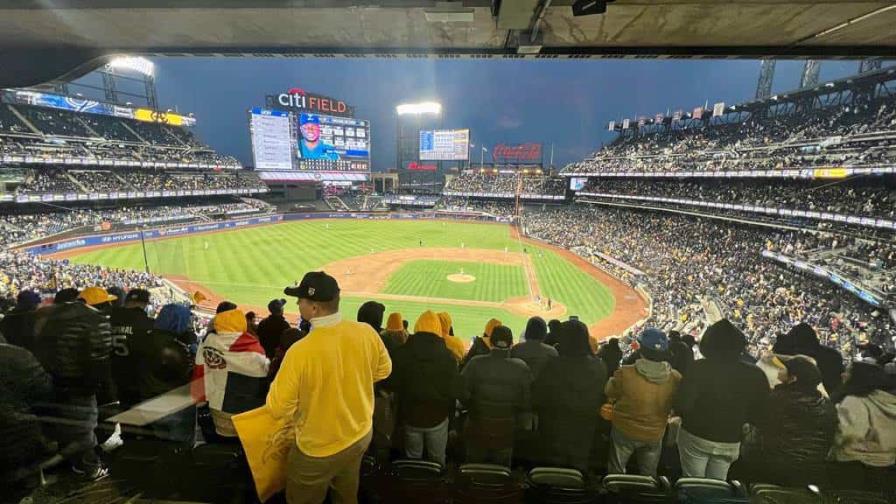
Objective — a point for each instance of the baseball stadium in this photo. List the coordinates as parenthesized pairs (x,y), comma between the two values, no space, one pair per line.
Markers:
(518,252)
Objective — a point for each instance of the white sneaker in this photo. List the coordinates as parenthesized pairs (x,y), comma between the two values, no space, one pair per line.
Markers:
(114,441)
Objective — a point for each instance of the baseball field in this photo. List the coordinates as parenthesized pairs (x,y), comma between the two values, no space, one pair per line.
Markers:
(474,271)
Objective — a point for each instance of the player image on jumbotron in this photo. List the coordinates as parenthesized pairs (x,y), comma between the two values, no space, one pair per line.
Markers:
(312,145)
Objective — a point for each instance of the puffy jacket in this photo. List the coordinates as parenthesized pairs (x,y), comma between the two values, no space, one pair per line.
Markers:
(23,383)
(643,395)
(797,428)
(535,354)
(425,379)
(497,386)
(74,347)
(164,362)
(17,327)
(867,429)
(269,331)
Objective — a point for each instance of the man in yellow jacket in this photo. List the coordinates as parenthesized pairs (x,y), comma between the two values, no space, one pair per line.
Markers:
(326,385)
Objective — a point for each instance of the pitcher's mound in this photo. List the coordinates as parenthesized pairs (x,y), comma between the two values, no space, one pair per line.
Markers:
(461,278)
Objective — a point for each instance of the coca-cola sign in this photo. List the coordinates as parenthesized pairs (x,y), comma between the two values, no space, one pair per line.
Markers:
(519,153)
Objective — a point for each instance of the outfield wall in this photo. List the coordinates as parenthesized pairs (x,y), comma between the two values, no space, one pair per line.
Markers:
(92,240)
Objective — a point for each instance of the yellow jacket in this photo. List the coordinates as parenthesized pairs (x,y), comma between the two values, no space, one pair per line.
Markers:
(326,384)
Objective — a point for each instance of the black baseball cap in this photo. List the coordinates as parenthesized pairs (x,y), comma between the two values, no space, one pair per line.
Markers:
(276,305)
(137,296)
(316,286)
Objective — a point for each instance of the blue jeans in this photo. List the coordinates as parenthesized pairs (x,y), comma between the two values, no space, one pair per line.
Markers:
(702,458)
(647,454)
(433,440)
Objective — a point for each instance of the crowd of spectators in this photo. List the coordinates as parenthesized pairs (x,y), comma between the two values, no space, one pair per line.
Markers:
(857,134)
(874,197)
(505,209)
(692,265)
(58,180)
(473,182)
(791,413)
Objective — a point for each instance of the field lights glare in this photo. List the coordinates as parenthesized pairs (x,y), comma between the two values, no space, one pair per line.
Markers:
(133,63)
(419,108)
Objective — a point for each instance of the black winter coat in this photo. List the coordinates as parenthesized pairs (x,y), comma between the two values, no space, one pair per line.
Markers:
(269,331)
(567,396)
(18,328)
(130,327)
(535,354)
(74,347)
(497,386)
(425,380)
(23,384)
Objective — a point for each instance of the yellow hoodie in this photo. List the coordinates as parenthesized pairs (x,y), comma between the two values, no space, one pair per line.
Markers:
(455,345)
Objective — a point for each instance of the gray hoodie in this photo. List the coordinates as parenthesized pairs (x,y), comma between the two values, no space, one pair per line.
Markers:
(867,431)
(653,371)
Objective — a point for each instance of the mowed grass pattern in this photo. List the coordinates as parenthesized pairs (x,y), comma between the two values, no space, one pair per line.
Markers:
(494,282)
(252,265)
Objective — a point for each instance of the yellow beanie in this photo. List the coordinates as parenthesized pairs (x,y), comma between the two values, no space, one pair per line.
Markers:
(395,322)
(96,295)
(429,323)
(231,321)
(445,319)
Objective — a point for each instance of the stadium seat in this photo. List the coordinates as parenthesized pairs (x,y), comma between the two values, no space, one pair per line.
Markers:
(632,488)
(486,484)
(764,493)
(698,490)
(154,467)
(408,480)
(556,485)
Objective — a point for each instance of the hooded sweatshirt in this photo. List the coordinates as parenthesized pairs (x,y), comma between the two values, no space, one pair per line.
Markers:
(642,394)
(867,430)
(230,370)
(455,345)
(802,339)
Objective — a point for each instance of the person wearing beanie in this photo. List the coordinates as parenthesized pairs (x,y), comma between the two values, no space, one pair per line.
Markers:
(719,394)
(642,396)
(533,351)
(455,345)
(326,383)
(130,326)
(271,328)
(796,428)
(802,340)
(230,372)
(497,394)
(567,396)
(481,344)
(427,384)
(395,334)
(17,326)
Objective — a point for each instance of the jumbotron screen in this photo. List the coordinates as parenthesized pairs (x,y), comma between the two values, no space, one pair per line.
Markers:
(308,142)
(445,145)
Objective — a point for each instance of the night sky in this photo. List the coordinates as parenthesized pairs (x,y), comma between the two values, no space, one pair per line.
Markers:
(567,103)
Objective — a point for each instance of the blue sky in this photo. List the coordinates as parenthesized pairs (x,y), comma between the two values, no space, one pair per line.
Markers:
(564,102)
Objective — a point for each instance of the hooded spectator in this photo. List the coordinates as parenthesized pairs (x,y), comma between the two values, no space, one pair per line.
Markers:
(865,442)
(371,313)
(251,325)
(481,344)
(427,384)
(642,396)
(230,371)
(716,398)
(802,340)
(681,354)
(567,395)
(796,428)
(130,325)
(395,334)
(497,393)
(454,345)
(17,325)
(611,354)
(74,346)
(553,336)
(533,351)
(270,329)
(326,383)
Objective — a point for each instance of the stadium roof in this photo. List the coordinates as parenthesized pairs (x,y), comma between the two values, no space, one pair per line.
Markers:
(44,39)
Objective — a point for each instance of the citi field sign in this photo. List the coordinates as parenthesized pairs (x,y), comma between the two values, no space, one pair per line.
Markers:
(297,99)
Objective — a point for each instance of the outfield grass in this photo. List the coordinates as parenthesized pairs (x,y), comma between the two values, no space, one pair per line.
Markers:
(252,265)
(494,282)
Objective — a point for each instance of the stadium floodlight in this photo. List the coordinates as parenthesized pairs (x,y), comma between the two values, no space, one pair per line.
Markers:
(134,63)
(419,108)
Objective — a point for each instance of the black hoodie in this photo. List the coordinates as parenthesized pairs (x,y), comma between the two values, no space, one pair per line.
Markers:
(425,379)
(721,392)
(804,341)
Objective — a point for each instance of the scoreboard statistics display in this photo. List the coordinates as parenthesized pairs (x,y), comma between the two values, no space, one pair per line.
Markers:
(445,145)
(271,139)
(288,141)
